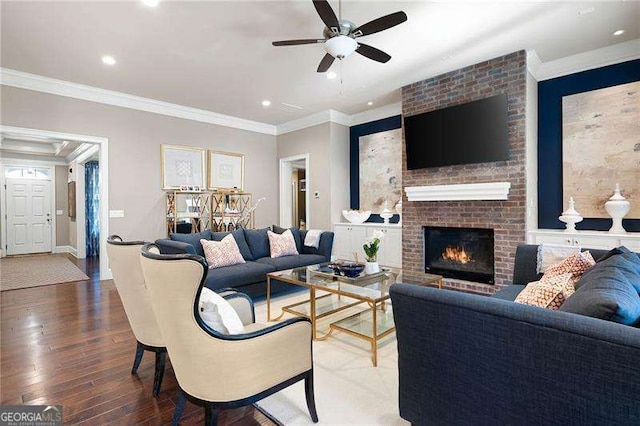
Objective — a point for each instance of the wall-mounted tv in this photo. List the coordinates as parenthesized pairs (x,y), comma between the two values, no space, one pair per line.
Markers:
(475,132)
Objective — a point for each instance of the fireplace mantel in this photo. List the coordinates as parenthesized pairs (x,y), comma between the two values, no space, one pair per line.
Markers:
(467,191)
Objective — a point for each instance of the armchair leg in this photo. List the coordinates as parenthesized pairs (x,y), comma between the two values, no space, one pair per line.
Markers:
(138,358)
(210,416)
(159,373)
(177,413)
(311,402)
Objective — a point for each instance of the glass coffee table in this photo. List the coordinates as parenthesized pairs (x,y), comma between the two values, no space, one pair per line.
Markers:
(330,293)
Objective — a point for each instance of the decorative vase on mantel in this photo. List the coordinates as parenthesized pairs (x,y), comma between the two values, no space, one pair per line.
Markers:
(617,207)
(386,213)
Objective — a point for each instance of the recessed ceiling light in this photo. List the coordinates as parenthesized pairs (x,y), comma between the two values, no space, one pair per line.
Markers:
(266,103)
(150,3)
(618,32)
(370,103)
(331,75)
(586,11)
(108,60)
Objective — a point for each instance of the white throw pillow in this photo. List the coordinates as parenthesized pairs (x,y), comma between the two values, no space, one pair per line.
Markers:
(282,244)
(218,314)
(222,253)
(550,254)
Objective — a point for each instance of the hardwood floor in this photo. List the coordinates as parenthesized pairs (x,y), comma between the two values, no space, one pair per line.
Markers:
(71,344)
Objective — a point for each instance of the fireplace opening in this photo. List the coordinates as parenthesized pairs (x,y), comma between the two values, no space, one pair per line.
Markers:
(462,253)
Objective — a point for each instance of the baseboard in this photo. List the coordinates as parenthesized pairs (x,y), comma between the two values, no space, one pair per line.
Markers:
(66,249)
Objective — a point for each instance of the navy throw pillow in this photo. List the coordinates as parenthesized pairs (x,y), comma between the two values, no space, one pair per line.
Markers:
(296,235)
(238,235)
(193,239)
(609,290)
(258,242)
(613,252)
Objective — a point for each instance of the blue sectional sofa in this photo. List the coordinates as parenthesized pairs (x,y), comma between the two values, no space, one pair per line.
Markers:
(250,277)
(465,359)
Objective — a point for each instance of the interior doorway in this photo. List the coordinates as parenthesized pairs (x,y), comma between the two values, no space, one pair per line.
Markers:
(294,193)
(67,156)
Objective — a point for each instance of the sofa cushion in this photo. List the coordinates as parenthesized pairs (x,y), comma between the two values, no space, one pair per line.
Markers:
(509,293)
(609,290)
(193,239)
(576,265)
(281,245)
(289,262)
(237,275)
(238,234)
(222,253)
(296,235)
(258,242)
(549,292)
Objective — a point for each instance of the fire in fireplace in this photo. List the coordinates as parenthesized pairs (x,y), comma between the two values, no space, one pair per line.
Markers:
(463,253)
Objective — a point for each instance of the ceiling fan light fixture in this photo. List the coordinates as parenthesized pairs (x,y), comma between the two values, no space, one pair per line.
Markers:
(340,46)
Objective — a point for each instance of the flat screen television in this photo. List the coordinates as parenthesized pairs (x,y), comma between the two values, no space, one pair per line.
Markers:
(475,132)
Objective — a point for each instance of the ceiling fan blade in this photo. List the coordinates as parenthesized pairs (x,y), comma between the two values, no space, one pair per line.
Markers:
(297,42)
(372,53)
(325,63)
(327,15)
(380,24)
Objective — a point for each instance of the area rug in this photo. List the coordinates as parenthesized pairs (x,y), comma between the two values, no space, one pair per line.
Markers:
(37,270)
(349,390)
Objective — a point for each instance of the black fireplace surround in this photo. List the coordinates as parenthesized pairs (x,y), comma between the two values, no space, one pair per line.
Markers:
(462,253)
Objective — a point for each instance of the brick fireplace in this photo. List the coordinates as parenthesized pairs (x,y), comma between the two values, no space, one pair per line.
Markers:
(505,74)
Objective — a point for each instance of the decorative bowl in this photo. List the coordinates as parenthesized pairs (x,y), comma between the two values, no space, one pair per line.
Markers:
(350,270)
(355,216)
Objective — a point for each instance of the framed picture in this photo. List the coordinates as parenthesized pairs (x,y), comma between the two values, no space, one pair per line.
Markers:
(182,166)
(226,170)
(71,199)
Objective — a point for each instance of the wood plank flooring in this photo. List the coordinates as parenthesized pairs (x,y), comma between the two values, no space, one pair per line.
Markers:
(71,344)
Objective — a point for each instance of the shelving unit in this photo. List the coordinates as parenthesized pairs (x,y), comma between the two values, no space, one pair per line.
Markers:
(188,207)
(231,210)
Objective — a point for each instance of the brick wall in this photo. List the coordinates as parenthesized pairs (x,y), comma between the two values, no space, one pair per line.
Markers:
(506,74)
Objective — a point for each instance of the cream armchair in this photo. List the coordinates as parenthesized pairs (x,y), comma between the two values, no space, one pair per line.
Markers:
(124,260)
(220,371)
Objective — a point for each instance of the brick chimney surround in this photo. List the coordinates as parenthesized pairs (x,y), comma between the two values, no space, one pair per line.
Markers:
(505,74)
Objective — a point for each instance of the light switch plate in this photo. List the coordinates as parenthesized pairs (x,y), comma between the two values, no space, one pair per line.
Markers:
(59,212)
(116,213)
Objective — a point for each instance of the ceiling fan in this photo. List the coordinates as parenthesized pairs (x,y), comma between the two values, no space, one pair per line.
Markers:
(340,35)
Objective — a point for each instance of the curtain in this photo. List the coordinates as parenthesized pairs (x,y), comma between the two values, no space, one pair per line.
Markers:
(92,203)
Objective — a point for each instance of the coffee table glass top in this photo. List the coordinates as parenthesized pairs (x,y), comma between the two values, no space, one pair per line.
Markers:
(371,287)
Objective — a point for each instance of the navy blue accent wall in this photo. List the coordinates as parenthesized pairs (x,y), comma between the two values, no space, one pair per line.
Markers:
(550,93)
(364,129)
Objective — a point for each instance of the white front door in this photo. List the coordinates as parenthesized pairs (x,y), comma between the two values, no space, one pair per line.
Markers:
(28,216)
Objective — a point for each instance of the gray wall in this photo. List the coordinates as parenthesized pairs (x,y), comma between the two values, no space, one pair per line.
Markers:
(328,147)
(134,153)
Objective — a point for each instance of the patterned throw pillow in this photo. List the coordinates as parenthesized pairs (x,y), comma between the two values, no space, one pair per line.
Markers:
(576,265)
(547,293)
(282,244)
(222,253)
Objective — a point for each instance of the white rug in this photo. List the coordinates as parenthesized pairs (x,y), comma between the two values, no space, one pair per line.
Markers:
(349,390)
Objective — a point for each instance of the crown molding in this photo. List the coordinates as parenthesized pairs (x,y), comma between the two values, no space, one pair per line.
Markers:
(376,114)
(597,58)
(23,80)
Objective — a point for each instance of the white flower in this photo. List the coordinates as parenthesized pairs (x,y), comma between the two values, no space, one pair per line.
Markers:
(378,234)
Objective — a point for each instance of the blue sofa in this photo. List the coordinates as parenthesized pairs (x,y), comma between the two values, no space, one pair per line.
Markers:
(465,359)
(250,277)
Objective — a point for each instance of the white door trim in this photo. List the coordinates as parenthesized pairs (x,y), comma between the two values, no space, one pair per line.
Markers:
(105,272)
(285,188)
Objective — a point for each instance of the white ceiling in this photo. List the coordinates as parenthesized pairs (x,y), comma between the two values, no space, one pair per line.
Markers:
(218,56)
(45,148)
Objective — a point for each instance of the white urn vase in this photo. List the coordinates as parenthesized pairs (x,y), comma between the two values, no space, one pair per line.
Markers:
(386,213)
(570,216)
(617,207)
